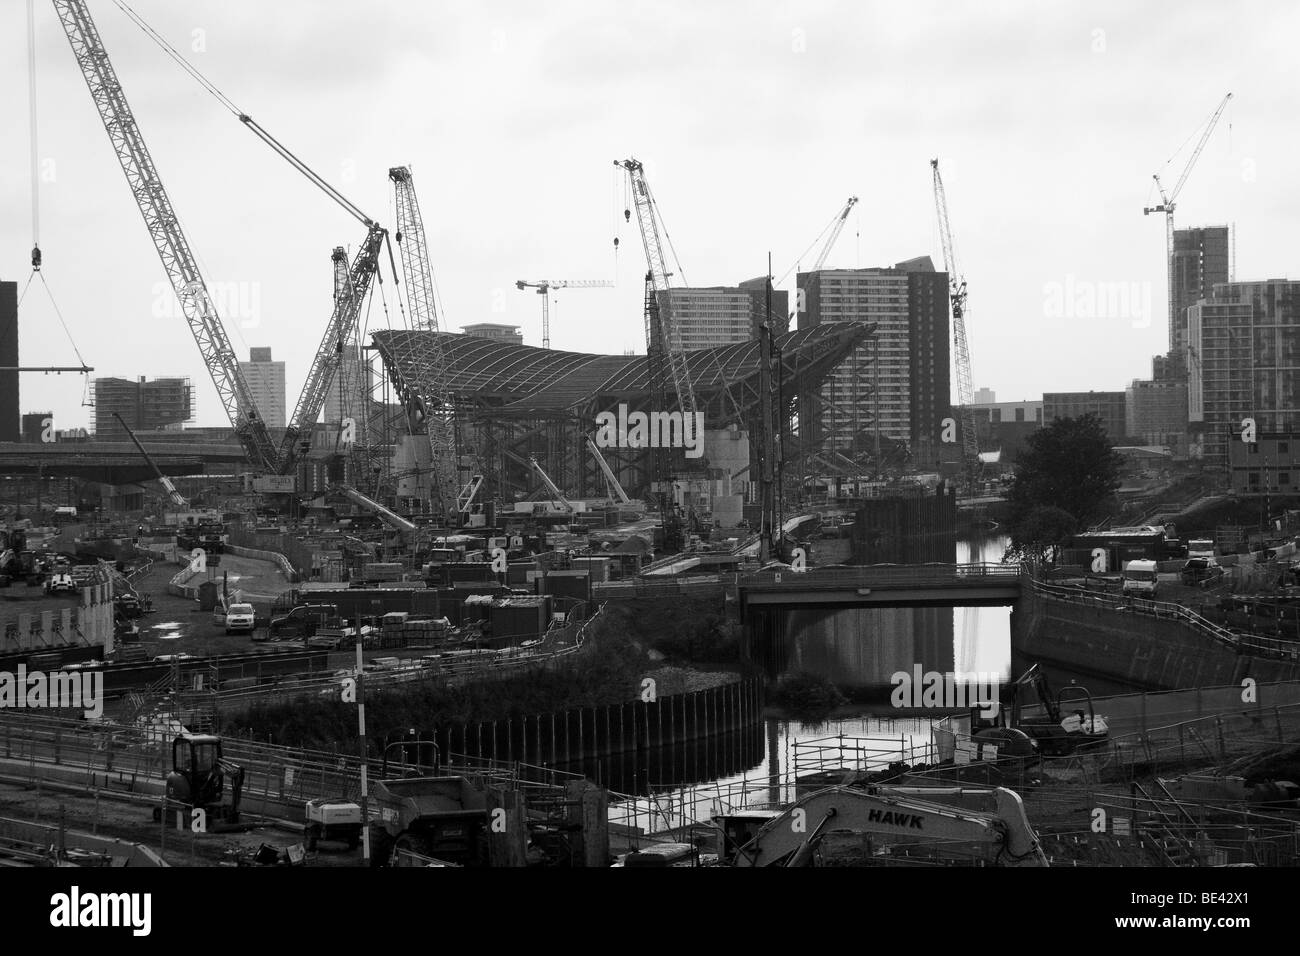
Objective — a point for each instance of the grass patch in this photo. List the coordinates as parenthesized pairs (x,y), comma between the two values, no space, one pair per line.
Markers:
(806,697)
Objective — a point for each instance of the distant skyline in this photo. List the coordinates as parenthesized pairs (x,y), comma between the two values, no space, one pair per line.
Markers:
(755,121)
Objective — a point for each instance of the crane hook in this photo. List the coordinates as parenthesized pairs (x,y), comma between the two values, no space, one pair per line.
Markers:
(627,215)
(616,242)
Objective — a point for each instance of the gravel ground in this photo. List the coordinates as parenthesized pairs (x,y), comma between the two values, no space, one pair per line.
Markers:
(135,822)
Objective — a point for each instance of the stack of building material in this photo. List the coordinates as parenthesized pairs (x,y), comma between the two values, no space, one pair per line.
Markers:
(404,631)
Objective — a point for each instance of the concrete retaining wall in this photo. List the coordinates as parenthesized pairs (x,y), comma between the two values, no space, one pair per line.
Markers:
(180,585)
(274,557)
(1139,650)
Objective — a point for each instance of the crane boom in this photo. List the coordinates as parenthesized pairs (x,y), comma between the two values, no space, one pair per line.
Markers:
(836,228)
(648,221)
(176,497)
(417,269)
(1167,206)
(544,288)
(832,232)
(957,299)
(347,307)
(165,230)
(387,516)
(551,486)
(1196,154)
(608,472)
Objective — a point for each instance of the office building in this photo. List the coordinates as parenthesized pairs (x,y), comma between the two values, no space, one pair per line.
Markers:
(779,318)
(1199,261)
(1270,465)
(706,318)
(34,425)
(1110,407)
(9,414)
(506,334)
(145,406)
(1156,414)
(897,384)
(265,380)
(349,392)
(1244,352)
(1005,426)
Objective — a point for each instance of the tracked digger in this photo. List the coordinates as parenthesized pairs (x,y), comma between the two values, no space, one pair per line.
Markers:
(201,778)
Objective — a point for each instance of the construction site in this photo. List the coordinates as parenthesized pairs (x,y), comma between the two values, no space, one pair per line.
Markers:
(473,603)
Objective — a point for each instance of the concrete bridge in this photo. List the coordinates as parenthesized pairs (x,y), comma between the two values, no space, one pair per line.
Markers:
(117,463)
(881,585)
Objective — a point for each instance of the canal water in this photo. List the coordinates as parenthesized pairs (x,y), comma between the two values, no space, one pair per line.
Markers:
(980,641)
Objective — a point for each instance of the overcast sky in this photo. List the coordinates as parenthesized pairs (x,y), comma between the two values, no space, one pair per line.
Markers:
(755,121)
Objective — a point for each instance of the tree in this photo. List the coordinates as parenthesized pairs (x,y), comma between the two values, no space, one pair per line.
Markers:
(1068,467)
(1043,528)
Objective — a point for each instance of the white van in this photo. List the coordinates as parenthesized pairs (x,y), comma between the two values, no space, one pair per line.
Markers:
(1140,578)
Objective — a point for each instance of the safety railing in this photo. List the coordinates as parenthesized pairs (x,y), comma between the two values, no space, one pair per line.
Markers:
(858,753)
(1163,610)
(557,644)
(885,575)
(1213,739)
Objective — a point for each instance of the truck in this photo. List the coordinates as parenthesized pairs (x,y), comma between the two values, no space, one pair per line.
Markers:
(240,618)
(440,817)
(303,621)
(1141,579)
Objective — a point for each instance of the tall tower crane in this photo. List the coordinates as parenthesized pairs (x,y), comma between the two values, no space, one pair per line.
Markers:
(544,290)
(165,230)
(1168,203)
(957,299)
(660,339)
(435,409)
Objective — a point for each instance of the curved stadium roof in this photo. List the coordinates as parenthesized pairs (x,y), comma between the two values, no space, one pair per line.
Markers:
(546,381)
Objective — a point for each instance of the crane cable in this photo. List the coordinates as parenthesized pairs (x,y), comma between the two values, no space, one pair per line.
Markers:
(36,184)
(35,153)
(243,117)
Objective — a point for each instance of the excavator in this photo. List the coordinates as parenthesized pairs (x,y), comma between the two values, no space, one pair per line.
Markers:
(1067,724)
(953,825)
(199,776)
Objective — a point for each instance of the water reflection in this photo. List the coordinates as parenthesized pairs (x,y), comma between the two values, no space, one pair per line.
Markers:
(850,647)
(792,749)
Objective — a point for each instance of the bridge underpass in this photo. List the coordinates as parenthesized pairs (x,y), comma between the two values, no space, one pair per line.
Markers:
(858,626)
